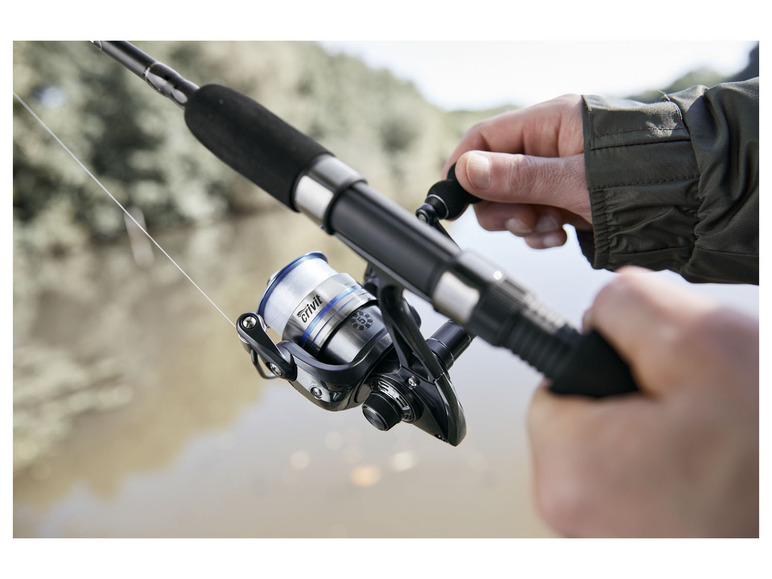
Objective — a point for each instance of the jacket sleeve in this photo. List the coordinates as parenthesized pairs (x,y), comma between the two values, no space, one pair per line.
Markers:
(675,184)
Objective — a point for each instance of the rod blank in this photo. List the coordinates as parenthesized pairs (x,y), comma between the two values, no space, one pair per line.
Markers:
(160,76)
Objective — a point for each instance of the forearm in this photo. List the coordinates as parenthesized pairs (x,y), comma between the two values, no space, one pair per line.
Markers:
(674,184)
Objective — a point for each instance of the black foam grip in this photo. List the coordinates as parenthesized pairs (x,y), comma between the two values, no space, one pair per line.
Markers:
(593,368)
(251,139)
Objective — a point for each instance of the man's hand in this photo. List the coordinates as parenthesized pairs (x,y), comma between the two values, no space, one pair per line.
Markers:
(680,458)
(528,168)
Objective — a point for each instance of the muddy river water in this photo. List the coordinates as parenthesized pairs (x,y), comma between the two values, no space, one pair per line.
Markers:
(138,414)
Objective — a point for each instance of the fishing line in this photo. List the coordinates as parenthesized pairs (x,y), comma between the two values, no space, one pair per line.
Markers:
(118,203)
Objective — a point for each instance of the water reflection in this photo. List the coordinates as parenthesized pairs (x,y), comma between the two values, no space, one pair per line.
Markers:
(137,413)
(117,367)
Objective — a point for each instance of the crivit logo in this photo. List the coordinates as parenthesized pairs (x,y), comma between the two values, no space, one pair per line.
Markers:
(304,313)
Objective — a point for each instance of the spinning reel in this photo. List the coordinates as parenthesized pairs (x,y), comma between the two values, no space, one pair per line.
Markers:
(345,345)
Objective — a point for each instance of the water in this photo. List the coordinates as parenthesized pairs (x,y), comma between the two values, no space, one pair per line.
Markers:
(138,414)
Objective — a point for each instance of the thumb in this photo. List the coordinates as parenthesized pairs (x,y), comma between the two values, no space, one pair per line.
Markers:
(657,327)
(513,178)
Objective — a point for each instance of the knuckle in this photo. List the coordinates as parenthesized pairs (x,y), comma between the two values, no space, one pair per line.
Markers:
(543,180)
(568,106)
(625,286)
(478,134)
(488,222)
(477,128)
(623,293)
(568,99)
(521,172)
(564,102)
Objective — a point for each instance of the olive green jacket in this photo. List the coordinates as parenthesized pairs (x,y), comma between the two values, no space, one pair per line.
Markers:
(675,184)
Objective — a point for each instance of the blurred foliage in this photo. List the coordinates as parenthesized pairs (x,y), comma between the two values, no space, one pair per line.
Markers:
(139,147)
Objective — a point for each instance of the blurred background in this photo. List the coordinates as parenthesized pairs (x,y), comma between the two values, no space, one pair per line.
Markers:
(136,413)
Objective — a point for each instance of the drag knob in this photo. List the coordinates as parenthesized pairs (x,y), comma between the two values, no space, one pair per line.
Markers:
(381,411)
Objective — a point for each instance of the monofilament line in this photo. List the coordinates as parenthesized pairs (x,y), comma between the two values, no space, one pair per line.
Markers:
(118,203)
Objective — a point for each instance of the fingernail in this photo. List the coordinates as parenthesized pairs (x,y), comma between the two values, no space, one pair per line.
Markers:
(478,169)
(517,227)
(552,239)
(547,224)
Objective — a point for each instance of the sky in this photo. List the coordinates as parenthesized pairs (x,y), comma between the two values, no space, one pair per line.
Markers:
(478,74)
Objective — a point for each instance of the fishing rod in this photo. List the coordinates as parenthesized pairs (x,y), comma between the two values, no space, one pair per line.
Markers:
(346,344)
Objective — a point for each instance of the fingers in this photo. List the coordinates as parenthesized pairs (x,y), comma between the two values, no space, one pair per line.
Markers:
(532,197)
(522,179)
(529,156)
(547,240)
(549,414)
(549,129)
(540,226)
(629,306)
(565,435)
(652,324)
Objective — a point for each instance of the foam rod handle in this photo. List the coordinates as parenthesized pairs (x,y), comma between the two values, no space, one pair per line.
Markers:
(593,368)
(251,139)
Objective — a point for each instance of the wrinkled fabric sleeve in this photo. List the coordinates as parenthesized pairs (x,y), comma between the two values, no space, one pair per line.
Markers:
(674,184)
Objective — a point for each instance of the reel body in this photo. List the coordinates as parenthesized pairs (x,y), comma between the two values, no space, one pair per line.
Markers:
(344,345)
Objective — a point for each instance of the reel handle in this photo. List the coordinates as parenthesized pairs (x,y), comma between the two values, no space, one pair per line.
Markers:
(446,200)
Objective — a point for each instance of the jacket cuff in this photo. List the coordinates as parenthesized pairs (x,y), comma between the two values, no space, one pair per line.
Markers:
(643,180)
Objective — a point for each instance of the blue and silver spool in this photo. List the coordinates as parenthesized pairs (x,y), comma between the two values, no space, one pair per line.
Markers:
(325,312)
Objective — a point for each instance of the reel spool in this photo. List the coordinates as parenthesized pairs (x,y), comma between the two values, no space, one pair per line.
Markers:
(328,314)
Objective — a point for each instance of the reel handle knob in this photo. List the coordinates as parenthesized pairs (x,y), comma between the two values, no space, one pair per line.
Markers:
(381,411)
(445,200)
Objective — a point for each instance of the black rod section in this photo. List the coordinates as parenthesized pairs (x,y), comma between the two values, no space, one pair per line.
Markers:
(160,76)
(252,140)
(391,237)
(127,54)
